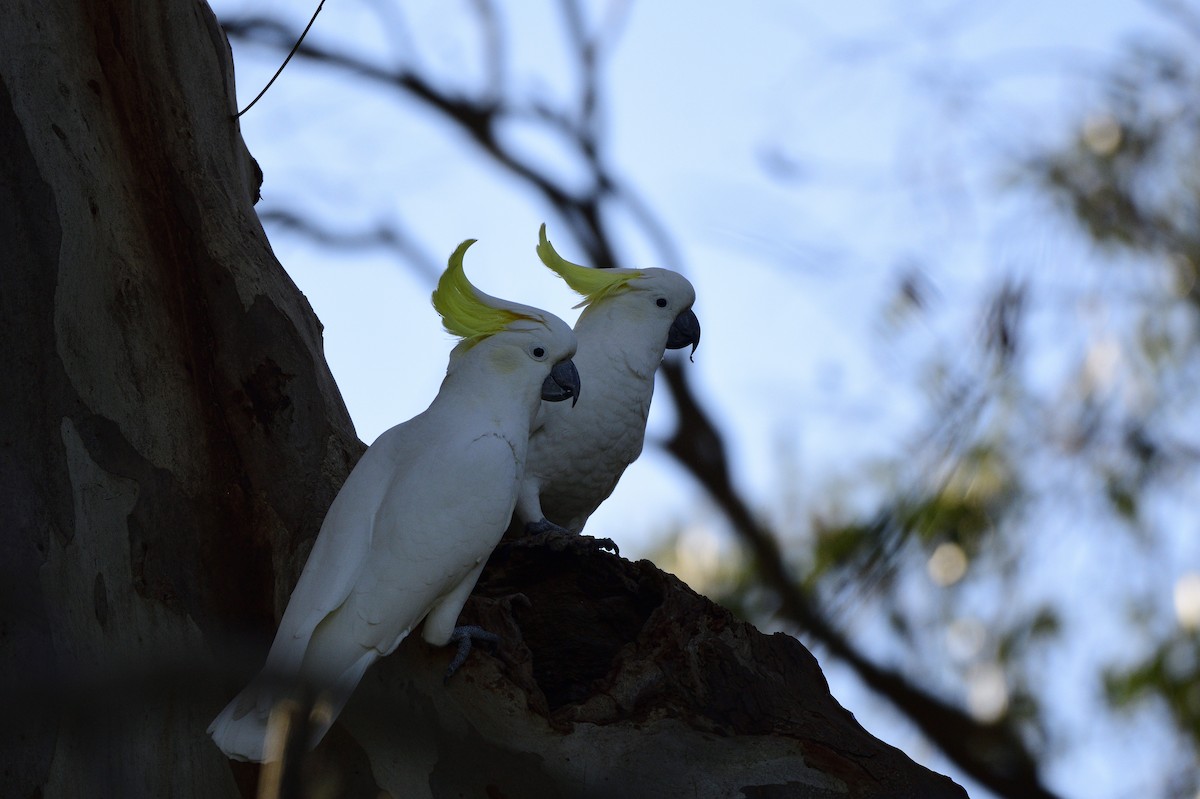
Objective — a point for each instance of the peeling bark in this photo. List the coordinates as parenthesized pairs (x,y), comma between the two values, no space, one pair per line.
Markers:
(171,437)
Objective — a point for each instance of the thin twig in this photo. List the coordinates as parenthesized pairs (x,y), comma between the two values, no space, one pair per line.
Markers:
(295,47)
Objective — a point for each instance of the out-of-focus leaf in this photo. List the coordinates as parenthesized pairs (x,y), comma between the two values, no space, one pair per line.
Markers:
(1170,674)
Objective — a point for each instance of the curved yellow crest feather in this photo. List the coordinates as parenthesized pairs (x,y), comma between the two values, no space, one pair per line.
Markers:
(593,284)
(464,309)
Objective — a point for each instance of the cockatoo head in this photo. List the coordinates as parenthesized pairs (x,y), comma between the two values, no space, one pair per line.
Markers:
(514,340)
(658,300)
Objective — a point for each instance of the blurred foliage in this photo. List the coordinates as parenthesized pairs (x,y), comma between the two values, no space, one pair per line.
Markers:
(1131,180)
(1131,175)
(960,512)
(1168,675)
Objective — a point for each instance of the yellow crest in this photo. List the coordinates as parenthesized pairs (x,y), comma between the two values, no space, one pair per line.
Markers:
(593,284)
(464,309)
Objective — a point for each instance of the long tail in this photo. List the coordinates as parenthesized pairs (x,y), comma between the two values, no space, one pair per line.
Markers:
(241,729)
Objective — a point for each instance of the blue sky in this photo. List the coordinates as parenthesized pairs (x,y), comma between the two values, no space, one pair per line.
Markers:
(800,159)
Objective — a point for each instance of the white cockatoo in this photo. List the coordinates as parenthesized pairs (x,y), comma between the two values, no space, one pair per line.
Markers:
(631,316)
(408,534)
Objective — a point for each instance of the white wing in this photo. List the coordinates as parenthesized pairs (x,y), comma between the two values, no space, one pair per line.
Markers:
(342,550)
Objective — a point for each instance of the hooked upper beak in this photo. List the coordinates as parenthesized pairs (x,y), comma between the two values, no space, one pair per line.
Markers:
(684,330)
(561,383)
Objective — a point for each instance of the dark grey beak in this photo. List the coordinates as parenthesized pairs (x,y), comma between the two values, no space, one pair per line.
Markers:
(684,330)
(561,383)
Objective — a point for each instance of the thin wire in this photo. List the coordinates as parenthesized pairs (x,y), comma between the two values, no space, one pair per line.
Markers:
(295,47)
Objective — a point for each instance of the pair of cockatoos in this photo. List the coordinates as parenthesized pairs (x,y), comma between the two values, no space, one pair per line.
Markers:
(412,527)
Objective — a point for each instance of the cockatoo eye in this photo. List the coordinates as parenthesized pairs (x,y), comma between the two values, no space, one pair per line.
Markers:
(661,302)
(539,352)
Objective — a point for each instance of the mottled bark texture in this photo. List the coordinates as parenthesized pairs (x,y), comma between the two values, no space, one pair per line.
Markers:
(617,680)
(170,437)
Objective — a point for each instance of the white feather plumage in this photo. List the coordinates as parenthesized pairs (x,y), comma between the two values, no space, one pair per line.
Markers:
(575,459)
(407,536)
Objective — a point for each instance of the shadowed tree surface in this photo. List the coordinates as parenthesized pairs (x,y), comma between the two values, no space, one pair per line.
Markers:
(172,435)
(168,446)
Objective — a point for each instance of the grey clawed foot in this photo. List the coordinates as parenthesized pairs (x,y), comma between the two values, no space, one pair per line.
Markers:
(545,527)
(463,635)
(559,539)
(601,543)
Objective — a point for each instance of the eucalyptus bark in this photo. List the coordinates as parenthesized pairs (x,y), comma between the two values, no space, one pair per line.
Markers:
(171,434)
(170,438)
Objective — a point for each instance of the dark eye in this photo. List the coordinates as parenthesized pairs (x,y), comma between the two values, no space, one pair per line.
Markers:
(538,352)
(660,302)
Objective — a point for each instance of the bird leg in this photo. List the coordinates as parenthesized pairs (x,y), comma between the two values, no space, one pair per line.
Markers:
(559,539)
(462,636)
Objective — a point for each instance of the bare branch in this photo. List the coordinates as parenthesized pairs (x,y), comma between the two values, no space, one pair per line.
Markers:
(382,236)
(493,48)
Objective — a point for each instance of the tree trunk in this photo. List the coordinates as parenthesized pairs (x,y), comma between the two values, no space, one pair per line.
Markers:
(171,432)
(171,437)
